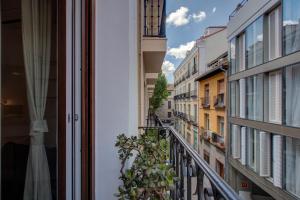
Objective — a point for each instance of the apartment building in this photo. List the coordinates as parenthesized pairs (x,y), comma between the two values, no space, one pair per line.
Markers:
(74,75)
(212,113)
(263,80)
(186,93)
(166,111)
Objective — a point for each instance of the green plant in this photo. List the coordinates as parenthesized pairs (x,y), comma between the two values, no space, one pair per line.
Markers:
(149,177)
(160,93)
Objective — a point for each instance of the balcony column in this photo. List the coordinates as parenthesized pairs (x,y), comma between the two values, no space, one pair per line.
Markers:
(189,177)
(200,176)
(181,185)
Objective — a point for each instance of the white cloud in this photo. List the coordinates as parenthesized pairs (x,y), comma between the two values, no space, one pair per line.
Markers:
(214,9)
(290,22)
(200,16)
(180,52)
(179,17)
(168,67)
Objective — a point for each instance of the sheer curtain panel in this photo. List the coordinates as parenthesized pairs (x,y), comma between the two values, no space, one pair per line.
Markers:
(36,33)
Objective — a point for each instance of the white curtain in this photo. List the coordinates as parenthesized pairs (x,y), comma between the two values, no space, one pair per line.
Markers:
(36,32)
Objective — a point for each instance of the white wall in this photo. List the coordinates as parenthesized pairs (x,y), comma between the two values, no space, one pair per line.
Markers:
(116,88)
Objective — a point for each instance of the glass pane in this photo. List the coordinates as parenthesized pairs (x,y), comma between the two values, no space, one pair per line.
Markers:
(232,57)
(292,95)
(292,165)
(254,97)
(291,26)
(28,100)
(254,43)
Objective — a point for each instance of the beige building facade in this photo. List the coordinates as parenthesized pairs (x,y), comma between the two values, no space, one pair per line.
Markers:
(166,111)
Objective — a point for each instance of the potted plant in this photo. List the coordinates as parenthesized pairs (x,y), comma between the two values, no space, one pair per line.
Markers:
(145,172)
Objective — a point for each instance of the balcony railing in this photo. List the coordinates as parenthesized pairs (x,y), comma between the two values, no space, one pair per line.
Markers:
(194,94)
(192,170)
(155,18)
(219,101)
(213,138)
(205,102)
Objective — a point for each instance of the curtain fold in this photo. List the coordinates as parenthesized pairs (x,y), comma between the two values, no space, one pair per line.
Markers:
(36,34)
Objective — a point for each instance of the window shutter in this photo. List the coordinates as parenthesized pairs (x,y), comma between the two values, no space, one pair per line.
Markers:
(264,154)
(277,161)
(236,138)
(242,98)
(275,87)
(243,146)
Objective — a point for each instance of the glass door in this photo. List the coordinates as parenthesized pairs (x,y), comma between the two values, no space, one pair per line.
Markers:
(29,100)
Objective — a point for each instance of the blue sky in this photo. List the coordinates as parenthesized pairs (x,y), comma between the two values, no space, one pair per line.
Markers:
(186,22)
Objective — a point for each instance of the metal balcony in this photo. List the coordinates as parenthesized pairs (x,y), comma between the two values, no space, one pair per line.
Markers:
(192,170)
(154,18)
(219,101)
(205,102)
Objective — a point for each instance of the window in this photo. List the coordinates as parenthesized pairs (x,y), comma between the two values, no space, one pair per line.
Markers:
(206,156)
(241,52)
(232,67)
(220,168)
(29,100)
(291,26)
(207,123)
(169,114)
(274,34)
(275,97)
(234,98)
(292,95)
(195,113)
(235,141)
(254,43)
(221,125)
(221,86)
(206,94)
(242,89)
(254,97)
(292,165)
(169,104)
(253,149)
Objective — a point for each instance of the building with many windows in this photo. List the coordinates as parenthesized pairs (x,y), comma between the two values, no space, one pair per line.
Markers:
(166,111)
(186,104)
(212,113)
(264,83)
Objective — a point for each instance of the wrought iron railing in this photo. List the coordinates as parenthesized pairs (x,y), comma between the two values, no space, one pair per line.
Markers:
(219,101)
(192,170)
(238,7)
(155,18)
(205,102)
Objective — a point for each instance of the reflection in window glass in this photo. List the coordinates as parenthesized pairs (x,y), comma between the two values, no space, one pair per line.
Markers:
(291,26)
(253,149)
(292,95)
(232,56)
(292,166)
(254,97)
(254,43)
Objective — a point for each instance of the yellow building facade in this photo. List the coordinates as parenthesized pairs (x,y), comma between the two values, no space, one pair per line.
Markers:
(212,115)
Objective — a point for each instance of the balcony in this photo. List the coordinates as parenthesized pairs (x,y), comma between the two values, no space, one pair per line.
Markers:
(193,94)
(195,178)
(154,42)
(154,18)
(205,102)
(213,138)
(219,101)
